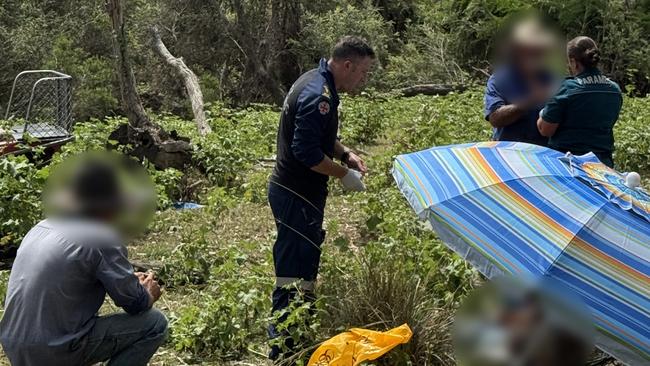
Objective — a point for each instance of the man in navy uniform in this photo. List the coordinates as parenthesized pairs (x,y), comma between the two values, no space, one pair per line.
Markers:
(307,145)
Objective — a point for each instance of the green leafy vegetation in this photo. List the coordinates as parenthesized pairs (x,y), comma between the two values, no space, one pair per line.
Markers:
(633,137)
(380,268)
(20,184)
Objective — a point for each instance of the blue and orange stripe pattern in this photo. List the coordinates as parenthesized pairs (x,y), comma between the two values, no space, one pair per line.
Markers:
(610,183)
(514,208)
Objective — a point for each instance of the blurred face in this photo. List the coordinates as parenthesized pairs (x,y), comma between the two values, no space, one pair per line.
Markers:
(529,59)
(354,74)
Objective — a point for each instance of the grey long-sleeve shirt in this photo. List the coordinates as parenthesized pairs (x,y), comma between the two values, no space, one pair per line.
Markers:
(62,272)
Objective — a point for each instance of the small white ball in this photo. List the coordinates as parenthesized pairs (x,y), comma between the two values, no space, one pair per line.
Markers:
(633,180)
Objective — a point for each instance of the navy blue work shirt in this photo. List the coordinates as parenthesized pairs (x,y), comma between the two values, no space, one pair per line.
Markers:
(507,86)
(307,133)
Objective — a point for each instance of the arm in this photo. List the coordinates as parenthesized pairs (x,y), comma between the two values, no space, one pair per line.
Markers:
(339,149)
(307,136)
(330,168)
(306,145)
(116,275)
(508,114)
(505,115)
(546,129)
(552,115)
(497,110)
(352,160)
(500,113)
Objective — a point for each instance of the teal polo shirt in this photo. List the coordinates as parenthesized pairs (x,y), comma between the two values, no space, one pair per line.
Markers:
(586,108)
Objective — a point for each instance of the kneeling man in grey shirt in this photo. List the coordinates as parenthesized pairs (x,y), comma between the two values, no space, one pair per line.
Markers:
(64,268)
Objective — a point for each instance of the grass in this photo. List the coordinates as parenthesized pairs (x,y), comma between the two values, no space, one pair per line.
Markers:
(244,223)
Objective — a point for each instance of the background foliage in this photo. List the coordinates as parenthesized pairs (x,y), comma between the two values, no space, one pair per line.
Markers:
(253,50)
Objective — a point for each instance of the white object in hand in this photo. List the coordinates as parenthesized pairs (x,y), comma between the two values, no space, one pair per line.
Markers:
(352,181)
(633,180)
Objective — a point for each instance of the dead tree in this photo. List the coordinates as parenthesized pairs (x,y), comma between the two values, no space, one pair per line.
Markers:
(147,139)
(192,85)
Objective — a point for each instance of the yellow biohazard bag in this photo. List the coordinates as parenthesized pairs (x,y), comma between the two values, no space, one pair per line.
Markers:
(358,345)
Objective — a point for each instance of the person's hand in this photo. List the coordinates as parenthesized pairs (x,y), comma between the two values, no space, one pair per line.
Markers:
(140,275)
(355,162)
(151,285)
(352,181)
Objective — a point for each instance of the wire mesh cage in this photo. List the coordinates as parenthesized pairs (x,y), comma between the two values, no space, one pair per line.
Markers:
(41,103)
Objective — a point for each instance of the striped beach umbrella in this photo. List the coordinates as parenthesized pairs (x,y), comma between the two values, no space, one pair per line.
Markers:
(514,208)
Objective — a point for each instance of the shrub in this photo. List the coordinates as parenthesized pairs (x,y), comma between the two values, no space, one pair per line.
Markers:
(632,136)
(233,303)
(424,58)
(92,78)
(4,282)
(189,262)
(326,28)
(168,185)
(380,293)
(21,183)
(221,326)
(363,119)
(89,135)
(239,139)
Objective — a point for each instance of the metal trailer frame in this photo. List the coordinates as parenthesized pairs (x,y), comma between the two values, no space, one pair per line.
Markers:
(43,100)
(61,100)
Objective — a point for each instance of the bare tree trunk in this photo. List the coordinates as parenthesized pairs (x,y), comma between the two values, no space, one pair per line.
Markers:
(192,85)
(130,99)
(147,139)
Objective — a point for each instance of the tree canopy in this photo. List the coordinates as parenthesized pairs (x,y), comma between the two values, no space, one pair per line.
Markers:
(252,50)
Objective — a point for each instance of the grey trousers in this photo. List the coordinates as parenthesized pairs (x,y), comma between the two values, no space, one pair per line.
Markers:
(125,340)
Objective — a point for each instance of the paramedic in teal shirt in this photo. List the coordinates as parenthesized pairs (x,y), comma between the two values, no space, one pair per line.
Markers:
(580,118)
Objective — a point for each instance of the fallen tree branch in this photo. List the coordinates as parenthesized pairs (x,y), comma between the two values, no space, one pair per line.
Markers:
(140,266)
(190,79)
(482,71)
(431,89)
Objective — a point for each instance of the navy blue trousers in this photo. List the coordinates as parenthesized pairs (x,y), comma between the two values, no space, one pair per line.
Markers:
(297,249)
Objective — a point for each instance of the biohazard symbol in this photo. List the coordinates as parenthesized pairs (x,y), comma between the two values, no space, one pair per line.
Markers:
(324,359)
